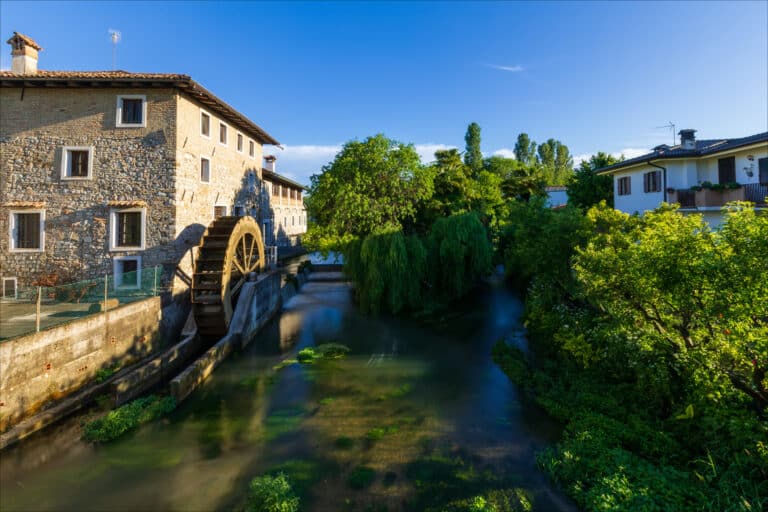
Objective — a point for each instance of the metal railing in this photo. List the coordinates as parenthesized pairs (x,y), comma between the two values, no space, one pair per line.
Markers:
(27,309)
(756,192)
(686,198)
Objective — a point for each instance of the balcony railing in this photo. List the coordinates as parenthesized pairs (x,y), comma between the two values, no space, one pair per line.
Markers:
(756,192)
(710,198)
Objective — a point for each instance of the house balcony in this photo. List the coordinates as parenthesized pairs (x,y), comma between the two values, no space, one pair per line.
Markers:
(712,199)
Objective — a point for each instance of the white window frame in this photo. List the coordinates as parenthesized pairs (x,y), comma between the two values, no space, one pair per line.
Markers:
(240,141)
(252,148)
(210,124)
(226,134)
(113,229)
(66,166)
(15,288)
(117,278)
(119,118)
(12,226)
(200,169)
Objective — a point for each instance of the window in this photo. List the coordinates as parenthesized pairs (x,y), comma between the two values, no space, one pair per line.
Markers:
(76,162)
(239,142)
(205,169)
(128,228)
(652,181)
(219,211)
(625,186)
(726,170)
(27,230)
(276,190)
(205,124)
(131,111)
(10,288)
(223,133)
(127,271)
(251,149)
(762,168)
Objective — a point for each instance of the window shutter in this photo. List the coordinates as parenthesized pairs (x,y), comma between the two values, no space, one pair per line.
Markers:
(726,169)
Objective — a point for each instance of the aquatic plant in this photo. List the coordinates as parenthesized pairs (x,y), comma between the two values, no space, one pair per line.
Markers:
(361,477)
(377,433)
(326,351)
(269,493)
(129,416)
(344,443)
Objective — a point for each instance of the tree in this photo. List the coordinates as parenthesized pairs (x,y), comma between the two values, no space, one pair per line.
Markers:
(525,150)
(556,162)
(371,185)
(587,189)
(473,157)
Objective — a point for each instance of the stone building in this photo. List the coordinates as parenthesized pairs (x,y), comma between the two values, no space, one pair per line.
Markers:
(284,217)
(111,172)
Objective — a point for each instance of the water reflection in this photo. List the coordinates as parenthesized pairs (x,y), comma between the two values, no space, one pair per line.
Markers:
(413,396)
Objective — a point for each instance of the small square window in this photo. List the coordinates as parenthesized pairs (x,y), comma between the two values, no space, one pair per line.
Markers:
(219,211)
(76,162)
(128,228)
(240,142)
(10,288)
(652,181)
(205,170)
(127,272)
(205,124)
(131,111)
(251,149)
(624,186)
(27,230)
(223,133)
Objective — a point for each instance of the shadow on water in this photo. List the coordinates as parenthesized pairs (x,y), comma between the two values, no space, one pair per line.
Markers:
(416,416)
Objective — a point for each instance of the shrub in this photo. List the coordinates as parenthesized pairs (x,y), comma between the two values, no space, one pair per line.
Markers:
(271,494)
(127,417)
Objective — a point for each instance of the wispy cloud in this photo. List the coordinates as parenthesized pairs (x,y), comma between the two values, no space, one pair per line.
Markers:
(627,152)
(427,151)
(511,69)
(505,152)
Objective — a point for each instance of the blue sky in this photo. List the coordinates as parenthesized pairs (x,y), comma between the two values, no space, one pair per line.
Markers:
(597,75)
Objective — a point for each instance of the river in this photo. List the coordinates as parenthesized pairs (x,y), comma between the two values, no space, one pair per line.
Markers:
(418,401)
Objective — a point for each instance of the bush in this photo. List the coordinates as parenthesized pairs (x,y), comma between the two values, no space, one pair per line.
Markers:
(271,494)
(361,477)
(128,417)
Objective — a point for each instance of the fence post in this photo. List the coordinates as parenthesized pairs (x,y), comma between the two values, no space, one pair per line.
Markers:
(154,283)
(37,316)
(106,290)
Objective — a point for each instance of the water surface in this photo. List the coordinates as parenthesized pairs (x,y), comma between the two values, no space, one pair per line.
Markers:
(418,401)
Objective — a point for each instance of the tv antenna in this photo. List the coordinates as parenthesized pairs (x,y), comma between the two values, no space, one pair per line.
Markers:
(671,126)
(115,36)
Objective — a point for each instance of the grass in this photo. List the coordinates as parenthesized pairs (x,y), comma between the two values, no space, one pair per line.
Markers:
(128,417)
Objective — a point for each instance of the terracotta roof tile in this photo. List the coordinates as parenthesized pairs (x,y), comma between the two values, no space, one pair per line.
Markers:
(86,75)
(25,204)
(31,42)
(135,203)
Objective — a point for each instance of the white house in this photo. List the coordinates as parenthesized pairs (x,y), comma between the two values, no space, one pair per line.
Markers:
(557,196)
(700,175)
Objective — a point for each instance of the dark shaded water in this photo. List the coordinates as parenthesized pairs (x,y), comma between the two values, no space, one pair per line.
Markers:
(418,401)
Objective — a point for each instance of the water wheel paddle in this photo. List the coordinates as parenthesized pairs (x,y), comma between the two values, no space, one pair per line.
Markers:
(230,250)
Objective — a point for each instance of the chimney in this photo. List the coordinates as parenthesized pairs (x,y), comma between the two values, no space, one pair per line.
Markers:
(687,139)
(269,163)
(24,54)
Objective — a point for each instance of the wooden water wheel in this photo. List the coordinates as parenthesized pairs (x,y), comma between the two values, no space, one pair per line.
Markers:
(231,249)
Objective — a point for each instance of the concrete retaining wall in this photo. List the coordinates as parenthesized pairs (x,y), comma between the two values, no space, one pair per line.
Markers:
(41,368)
(259,301)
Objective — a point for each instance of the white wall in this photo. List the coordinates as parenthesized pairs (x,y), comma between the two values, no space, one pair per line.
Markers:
(638,201)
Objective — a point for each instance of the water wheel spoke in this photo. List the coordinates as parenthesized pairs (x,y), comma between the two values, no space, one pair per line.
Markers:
(233,290)
(251,265)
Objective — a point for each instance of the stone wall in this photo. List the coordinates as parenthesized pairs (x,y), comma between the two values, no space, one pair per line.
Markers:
(128,164)
(41,368)
(229,174)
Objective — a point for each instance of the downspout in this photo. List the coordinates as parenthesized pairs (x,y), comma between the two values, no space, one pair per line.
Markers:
(663,178)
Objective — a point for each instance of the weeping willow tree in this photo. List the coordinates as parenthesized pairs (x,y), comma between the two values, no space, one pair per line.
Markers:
(388,270)
(393,272)
(459,254)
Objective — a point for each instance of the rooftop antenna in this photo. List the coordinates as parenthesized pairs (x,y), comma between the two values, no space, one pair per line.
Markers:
(115,36)
(671,126)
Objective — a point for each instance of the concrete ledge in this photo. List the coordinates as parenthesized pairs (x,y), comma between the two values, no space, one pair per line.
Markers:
(188,380)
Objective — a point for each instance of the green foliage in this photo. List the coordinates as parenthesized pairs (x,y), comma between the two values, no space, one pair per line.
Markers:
(104,374)
(473,157)
(587,189)
(525,150)
(649,337)
(271,494)
(128,417)
(323,351)
(361,477)
(459,254)
(371,185)
(556,162)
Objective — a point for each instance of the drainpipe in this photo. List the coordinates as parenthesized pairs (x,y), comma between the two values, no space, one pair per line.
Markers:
(663,178)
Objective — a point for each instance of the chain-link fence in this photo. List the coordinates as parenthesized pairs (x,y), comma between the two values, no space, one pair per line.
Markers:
(26,309)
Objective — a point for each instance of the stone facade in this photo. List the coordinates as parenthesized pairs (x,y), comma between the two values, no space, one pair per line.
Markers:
(154,167)
(285,216)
